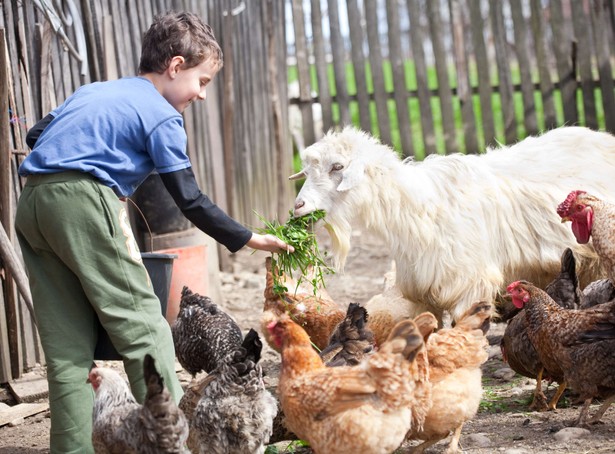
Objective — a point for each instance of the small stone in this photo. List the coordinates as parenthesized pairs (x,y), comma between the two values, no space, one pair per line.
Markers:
(16,422)
(571,433)
(505,373)
(478,440)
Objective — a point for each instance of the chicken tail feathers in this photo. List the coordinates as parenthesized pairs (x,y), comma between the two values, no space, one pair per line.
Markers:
(569,267)
(153,380)
(253,345)
(357,314)
(477,317)
(405,338)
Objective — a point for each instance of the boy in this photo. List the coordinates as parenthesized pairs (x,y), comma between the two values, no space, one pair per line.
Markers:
(83,261)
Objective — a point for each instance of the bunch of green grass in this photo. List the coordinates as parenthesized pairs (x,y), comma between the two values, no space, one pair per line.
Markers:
(307,259)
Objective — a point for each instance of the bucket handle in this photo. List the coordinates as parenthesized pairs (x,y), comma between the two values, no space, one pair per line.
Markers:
(151,237)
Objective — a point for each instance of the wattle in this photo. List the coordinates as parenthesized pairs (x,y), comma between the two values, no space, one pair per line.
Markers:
(581,231)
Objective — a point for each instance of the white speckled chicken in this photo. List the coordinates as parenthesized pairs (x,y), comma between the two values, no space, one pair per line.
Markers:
(595,218)
(235,412)
(580,342)
(123,426)
(203,334)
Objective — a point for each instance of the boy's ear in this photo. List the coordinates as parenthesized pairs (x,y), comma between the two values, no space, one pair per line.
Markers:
(175,65)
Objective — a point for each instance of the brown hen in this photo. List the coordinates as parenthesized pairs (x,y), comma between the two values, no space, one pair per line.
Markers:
(455,359)
(317,314)
(517,348)
(364,408)
(580,342)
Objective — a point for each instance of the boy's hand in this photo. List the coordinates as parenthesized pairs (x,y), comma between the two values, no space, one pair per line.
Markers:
(269,243)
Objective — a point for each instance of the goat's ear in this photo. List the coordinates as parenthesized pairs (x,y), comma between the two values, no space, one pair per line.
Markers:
(353,175)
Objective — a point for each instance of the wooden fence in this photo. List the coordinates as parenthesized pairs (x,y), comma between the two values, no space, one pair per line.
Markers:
(444,76)
(240,149)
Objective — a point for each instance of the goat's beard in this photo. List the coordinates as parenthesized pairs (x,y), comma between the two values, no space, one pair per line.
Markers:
(340,232)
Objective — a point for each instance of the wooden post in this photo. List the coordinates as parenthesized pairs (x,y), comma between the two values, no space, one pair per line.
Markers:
(6,215)
(228,112)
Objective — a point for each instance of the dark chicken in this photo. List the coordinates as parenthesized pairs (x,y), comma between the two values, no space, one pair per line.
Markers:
(203,334)
(579,342)
(235,412)
(517,348)
(351,341)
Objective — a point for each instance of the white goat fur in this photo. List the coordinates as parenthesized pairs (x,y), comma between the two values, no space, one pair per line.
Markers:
(460,227)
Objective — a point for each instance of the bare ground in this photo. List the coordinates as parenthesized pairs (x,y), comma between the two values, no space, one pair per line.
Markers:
(503,423)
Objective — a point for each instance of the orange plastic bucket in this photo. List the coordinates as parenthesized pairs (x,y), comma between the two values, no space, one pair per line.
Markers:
(189,269)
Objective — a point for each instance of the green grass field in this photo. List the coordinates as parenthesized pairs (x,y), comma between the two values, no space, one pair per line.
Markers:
(415,113)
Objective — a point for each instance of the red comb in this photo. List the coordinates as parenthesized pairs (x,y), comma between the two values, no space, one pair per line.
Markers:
(564,207)
(512,286)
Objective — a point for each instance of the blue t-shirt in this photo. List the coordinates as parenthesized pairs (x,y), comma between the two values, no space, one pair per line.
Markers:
(119,131)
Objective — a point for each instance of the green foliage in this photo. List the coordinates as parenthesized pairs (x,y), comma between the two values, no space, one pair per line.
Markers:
(432,83)
(290,448)
(298,232)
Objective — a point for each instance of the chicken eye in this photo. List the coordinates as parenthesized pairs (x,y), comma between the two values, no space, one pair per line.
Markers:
(337,167)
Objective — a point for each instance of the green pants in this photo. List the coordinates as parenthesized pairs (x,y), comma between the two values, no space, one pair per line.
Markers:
(83,262)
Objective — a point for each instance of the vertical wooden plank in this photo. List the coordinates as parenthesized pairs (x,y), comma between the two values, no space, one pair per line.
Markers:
(400,90)
(358,64)
(6,214)
(527,86)
(485,93)
(280,163)
(422,86)
(339,64)
(93,40)
(303,72)
(565,56)
(228,112)
(134,37)
(320,60)
(580,23)
(375,63)
(437,31)
(464,91)
(600,28)
(504,78)
(544,65)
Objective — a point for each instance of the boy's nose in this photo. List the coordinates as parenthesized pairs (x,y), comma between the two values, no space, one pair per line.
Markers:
(203,95)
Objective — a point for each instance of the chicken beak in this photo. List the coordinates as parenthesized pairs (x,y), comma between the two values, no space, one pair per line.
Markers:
(565,219)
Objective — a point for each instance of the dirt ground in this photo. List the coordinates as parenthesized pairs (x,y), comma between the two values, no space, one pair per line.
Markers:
(503,424)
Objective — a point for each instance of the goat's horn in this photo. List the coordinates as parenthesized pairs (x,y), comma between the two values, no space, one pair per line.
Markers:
(297,176)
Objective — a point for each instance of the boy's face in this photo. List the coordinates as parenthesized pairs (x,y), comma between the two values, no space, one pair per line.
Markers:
(187,85)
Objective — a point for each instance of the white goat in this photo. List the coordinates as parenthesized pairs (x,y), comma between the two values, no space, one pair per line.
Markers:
(459,227)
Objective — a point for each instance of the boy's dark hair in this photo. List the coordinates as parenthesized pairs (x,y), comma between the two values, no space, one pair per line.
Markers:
(178,34)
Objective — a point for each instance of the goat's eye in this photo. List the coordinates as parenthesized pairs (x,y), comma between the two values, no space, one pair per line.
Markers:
(337,167)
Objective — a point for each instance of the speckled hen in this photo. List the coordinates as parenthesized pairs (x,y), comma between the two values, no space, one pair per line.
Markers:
(580,342)
(123,426)
(595,218)
(203,333)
